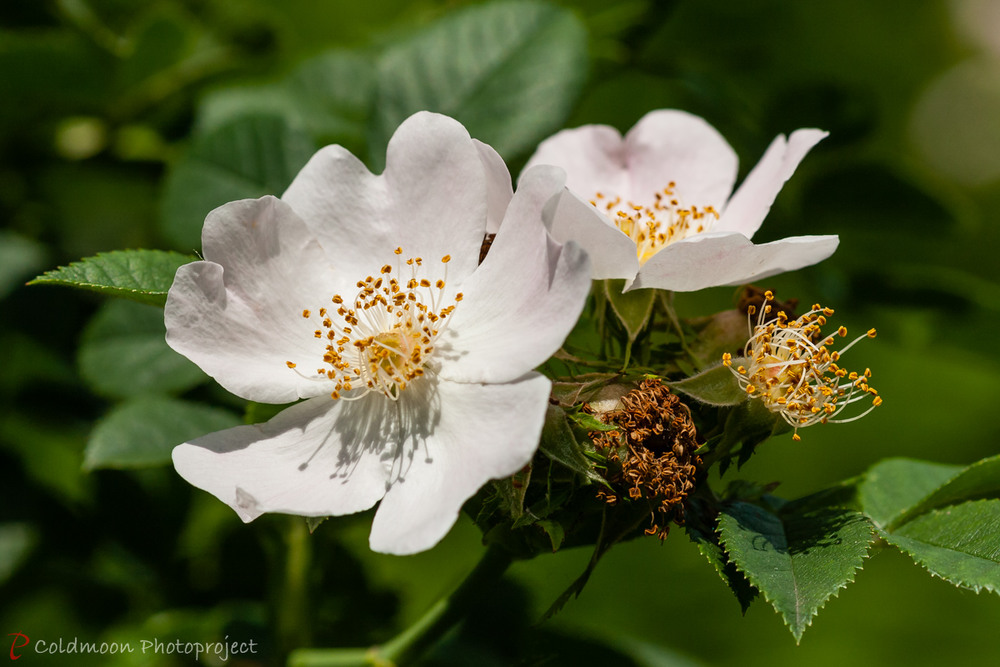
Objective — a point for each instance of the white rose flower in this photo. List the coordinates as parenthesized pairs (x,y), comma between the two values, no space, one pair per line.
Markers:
(654,207)
(365,296)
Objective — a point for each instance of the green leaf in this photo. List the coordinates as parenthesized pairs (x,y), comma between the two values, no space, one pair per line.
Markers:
(715,386)
(960,544)
(143,431)
(893,486)
(20,257)
(700,531)
(509,71)
(511,492)
(16,542)
(589,422)
(555,532)
(313,522)
(258,413)
(558,444)
(123,353)
(632,308)
(139,275)
(796,560)
(50,453)
(981,479)
(249,156)
(748,425)
(330,96)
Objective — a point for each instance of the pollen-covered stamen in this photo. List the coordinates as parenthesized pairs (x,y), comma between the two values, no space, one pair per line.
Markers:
(791,368)
(383,338)
(652,228)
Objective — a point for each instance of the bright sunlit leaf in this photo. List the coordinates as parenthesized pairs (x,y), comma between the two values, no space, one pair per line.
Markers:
(139,275)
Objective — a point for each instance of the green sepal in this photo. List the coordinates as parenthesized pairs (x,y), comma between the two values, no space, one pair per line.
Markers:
(633,309)
(716,386)
(560,445)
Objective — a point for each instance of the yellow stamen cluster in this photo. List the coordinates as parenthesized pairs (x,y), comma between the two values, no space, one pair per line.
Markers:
(382,340)
(652,228)
(791,368)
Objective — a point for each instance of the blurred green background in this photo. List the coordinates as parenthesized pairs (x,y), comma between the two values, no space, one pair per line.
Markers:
(122,123)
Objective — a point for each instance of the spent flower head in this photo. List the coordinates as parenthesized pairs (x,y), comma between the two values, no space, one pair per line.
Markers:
(656,207)
(791,367)
(651,455)
(370,297)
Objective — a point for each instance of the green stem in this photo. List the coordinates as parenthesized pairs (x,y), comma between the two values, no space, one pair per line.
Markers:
(667,301)
(413,642)
(293,605)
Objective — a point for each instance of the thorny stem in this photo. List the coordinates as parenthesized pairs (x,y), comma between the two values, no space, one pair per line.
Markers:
(414,641)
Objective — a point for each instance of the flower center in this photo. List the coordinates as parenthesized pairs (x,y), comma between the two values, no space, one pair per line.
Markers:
(382,340)
(653,228)
(791,368)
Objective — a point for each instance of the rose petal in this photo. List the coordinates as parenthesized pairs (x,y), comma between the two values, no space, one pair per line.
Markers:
(612,253)
(669,145)
(498,185)
(750,204)
(593,157)
(239,316)
(313,459)
(710,260)
(483,432)
(524,299)
(431,201)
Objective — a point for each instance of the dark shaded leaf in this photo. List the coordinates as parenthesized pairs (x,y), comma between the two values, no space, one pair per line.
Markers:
(143,431)
(250,156)
(698,524)
(509,71)
(123,353)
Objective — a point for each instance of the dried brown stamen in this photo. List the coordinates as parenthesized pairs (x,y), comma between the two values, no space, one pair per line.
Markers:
(485,248)
(651,455)
(754,299)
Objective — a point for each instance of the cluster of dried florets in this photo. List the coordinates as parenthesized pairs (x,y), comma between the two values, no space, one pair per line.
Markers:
(651,455)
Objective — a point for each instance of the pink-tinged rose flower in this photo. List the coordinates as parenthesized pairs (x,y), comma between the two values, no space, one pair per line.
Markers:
(365,296)
(657,208)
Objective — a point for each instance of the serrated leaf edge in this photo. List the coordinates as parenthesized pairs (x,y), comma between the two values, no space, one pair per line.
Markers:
(157,296)
(833,594)
(889,537)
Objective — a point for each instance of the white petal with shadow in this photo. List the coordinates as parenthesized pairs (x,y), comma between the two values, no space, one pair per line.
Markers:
(316,458)
(524,299)
(481,432)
